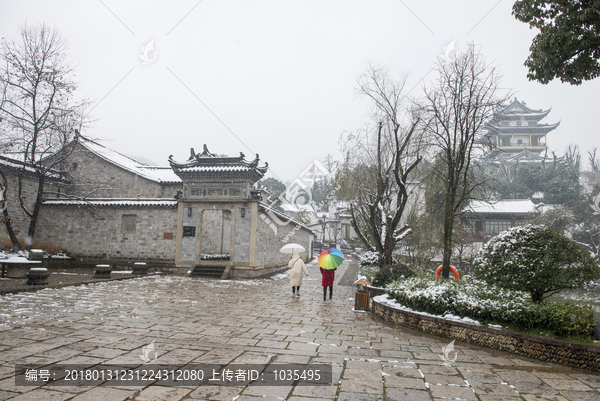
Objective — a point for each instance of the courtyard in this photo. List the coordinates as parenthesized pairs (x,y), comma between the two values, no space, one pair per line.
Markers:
(207,321)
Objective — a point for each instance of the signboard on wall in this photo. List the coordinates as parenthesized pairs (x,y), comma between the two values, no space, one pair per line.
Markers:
(189,231)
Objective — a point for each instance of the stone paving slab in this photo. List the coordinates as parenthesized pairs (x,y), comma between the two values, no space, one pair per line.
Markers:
(196,320)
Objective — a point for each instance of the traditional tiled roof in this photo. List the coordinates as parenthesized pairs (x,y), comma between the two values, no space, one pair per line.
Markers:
(162,174)
(282,216)
(12,166)
(207,165)
(524,156)
(517,110)
(508,206)
(113,202)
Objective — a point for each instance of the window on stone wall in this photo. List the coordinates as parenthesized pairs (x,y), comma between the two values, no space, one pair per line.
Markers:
(128,223)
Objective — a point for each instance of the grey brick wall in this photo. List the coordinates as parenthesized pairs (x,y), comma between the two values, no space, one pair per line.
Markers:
(272,236)
(213,235)
(95,175)
(242,234)
(89,232)
(20,221)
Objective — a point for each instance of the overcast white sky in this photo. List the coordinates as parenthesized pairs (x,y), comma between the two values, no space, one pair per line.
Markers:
(277,78)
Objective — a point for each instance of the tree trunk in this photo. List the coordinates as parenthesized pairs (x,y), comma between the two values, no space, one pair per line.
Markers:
(536,296)
(11,233)
(448,228)
(387,258)
(35,212)
(7,219)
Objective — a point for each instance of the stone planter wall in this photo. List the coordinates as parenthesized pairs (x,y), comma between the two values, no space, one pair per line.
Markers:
(579,355)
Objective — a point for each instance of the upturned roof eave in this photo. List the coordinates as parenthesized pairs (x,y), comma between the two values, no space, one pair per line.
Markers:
(525,129)
(18,166)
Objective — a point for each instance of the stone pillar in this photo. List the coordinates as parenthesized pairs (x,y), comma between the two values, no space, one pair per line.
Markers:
(102,271)
(36,254)
(140,268)
(596,314)
(38,276)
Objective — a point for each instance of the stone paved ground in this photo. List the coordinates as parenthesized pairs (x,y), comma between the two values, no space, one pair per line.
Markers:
(59,277)
(211,321)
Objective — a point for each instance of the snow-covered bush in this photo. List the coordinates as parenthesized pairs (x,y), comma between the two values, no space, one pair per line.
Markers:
(536,259)
(369,258)
(465,299)
(372,258)
(369,271)
(492,304)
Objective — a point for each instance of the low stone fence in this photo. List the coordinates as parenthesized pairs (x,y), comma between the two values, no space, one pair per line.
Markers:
(579,355)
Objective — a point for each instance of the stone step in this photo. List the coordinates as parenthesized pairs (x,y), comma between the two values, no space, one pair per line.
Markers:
(207,271)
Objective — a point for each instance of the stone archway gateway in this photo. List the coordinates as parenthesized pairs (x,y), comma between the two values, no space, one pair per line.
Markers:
(219,230)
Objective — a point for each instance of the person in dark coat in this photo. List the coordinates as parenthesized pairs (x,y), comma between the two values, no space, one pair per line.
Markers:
(328,278)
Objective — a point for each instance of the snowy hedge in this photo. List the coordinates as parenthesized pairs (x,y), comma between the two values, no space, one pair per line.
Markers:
(493,305)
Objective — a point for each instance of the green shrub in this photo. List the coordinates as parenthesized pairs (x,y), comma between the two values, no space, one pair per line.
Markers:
(395,272)
(535,259)
(369,271)
(567,320)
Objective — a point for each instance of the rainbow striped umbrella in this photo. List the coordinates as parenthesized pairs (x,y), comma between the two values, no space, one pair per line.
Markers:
(330,259)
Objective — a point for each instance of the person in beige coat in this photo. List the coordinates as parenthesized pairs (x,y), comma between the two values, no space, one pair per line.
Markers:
(298,268)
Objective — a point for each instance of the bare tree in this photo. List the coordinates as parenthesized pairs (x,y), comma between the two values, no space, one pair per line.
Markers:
(594,163)
(378,164)
(38,112)
(458,107)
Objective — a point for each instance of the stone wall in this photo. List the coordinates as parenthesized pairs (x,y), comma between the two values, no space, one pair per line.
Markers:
(109,232)
(579,355)
(102,179)
(270,237)
(212,232)
(19,220)
(241,234)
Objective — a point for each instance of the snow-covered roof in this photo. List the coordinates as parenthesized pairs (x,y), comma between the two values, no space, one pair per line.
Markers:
(292,208)
(127,202)
(162,174)
(154,173)
(12,164)
(511,206)
(283,216)
(208,166)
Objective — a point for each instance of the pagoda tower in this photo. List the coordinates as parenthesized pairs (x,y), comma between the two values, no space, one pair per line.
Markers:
(515,132)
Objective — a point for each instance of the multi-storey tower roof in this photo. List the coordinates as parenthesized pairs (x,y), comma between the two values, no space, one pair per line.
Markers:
(515,128)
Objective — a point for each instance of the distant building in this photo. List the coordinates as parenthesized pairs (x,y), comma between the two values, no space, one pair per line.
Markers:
(330,225)
(488,219)
(515,133)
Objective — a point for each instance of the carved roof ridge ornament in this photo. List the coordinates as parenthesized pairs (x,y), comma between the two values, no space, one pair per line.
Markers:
(205,153)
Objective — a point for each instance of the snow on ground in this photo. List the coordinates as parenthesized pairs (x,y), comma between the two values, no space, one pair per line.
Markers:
(281,276)
(101,300)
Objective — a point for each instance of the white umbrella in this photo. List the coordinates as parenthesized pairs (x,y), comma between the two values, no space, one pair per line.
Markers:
(290,248)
